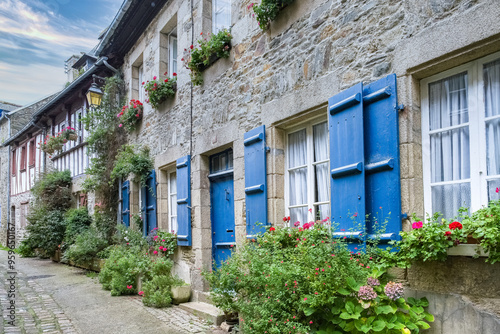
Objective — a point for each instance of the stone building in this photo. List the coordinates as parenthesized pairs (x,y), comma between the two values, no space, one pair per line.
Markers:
(297,88)
(49,117)
(12,120)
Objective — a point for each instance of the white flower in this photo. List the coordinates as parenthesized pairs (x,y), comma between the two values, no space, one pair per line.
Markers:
(126,238)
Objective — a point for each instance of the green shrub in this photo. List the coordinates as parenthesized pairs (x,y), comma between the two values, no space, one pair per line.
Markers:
(53,190)
(122,268)
(158,281)
(86,246)
(46,230)
(128,237)
(161,242)
(294,280)
(25,250)
(128,161)
(77,221)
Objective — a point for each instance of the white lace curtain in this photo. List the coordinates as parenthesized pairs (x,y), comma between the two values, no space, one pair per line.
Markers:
(491,75)
(300,173)
(450,154)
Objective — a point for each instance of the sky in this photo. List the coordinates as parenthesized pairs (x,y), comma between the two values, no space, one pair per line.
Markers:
(37,36)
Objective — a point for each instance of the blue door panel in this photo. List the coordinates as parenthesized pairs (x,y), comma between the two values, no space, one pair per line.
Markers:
(255,181)
(223,227)
(126,203)
(347,162)
(381,129)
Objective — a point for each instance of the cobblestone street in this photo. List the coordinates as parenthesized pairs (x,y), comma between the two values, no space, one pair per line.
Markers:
(55,298)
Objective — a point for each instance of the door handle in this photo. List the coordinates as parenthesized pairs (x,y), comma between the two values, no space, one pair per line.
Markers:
(227,194)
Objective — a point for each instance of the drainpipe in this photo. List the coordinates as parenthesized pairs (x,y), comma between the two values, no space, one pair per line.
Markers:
(191,106)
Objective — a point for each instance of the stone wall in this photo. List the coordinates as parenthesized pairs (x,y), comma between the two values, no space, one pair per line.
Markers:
(283,76)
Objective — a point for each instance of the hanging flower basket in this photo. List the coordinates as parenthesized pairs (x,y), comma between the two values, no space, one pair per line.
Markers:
(70,134)
(131,114)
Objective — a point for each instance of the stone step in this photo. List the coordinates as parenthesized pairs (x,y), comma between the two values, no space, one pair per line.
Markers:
(201,296)
(205,311)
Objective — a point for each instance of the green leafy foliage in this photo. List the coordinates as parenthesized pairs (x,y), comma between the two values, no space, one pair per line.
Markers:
(430,241)
(156,288)
(268,10)
(130,115)
(162,243)
(46,230)
(104,140)
(53,190)
(128,161)
(294,280)
(159,90)
(77,222)
(87,246)
(209,48)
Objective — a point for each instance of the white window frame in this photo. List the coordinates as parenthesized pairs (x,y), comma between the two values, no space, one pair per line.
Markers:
(171,174)
(140,75)
(214,15)
(311,204)
(477,133)
(172,38)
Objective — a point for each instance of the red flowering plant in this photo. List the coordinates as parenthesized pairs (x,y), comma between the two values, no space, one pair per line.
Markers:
(209,49)
(53,143)
(69,133)
(431,240)
(130,114)
(158,90)
(161,243)
(296,280)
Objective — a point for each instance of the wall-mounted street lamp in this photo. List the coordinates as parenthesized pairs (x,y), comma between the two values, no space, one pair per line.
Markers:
(94,94)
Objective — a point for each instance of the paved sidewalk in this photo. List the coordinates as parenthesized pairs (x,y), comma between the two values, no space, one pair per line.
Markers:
(55,298)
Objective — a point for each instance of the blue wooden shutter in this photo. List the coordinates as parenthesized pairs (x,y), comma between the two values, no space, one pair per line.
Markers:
(255,180)
(184,201)
(383,183)
(151,201)
(144,214)
(347,162)
(364,158)
(126,203)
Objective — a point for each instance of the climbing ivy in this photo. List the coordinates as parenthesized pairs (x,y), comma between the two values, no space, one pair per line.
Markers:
(104,141)
(132,160)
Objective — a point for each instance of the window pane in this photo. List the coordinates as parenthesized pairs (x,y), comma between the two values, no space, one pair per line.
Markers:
(298,215)
(298,186)
(297,150)
(450,157)
(448,198)
(492,88)
(320,136)
(173,183)
(448,104)
(321,179)
(493,146)
(221,15)
(323,211)
(493,185)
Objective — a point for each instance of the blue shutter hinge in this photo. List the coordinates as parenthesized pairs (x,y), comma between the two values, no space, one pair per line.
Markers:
(400,107)
(404,215)
(268,149)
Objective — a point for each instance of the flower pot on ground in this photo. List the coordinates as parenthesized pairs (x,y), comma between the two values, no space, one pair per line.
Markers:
(180,294)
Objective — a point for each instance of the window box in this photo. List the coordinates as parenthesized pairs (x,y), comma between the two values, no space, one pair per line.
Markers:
(213,58)
(468,250)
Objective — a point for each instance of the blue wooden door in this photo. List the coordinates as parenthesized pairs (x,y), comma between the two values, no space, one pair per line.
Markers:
(222,206)
(126,203)
(148,194)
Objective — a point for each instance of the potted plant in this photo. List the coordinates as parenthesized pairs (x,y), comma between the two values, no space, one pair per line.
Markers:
(268,10)
(70,134)
(131,114)
(158,91)
(209,50)
(180,293)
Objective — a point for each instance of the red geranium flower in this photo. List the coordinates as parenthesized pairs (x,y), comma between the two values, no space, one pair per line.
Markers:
(447,233)
(272,229)
(455,225)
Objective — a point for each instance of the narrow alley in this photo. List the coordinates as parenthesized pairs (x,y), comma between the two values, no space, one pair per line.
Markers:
(55,298)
